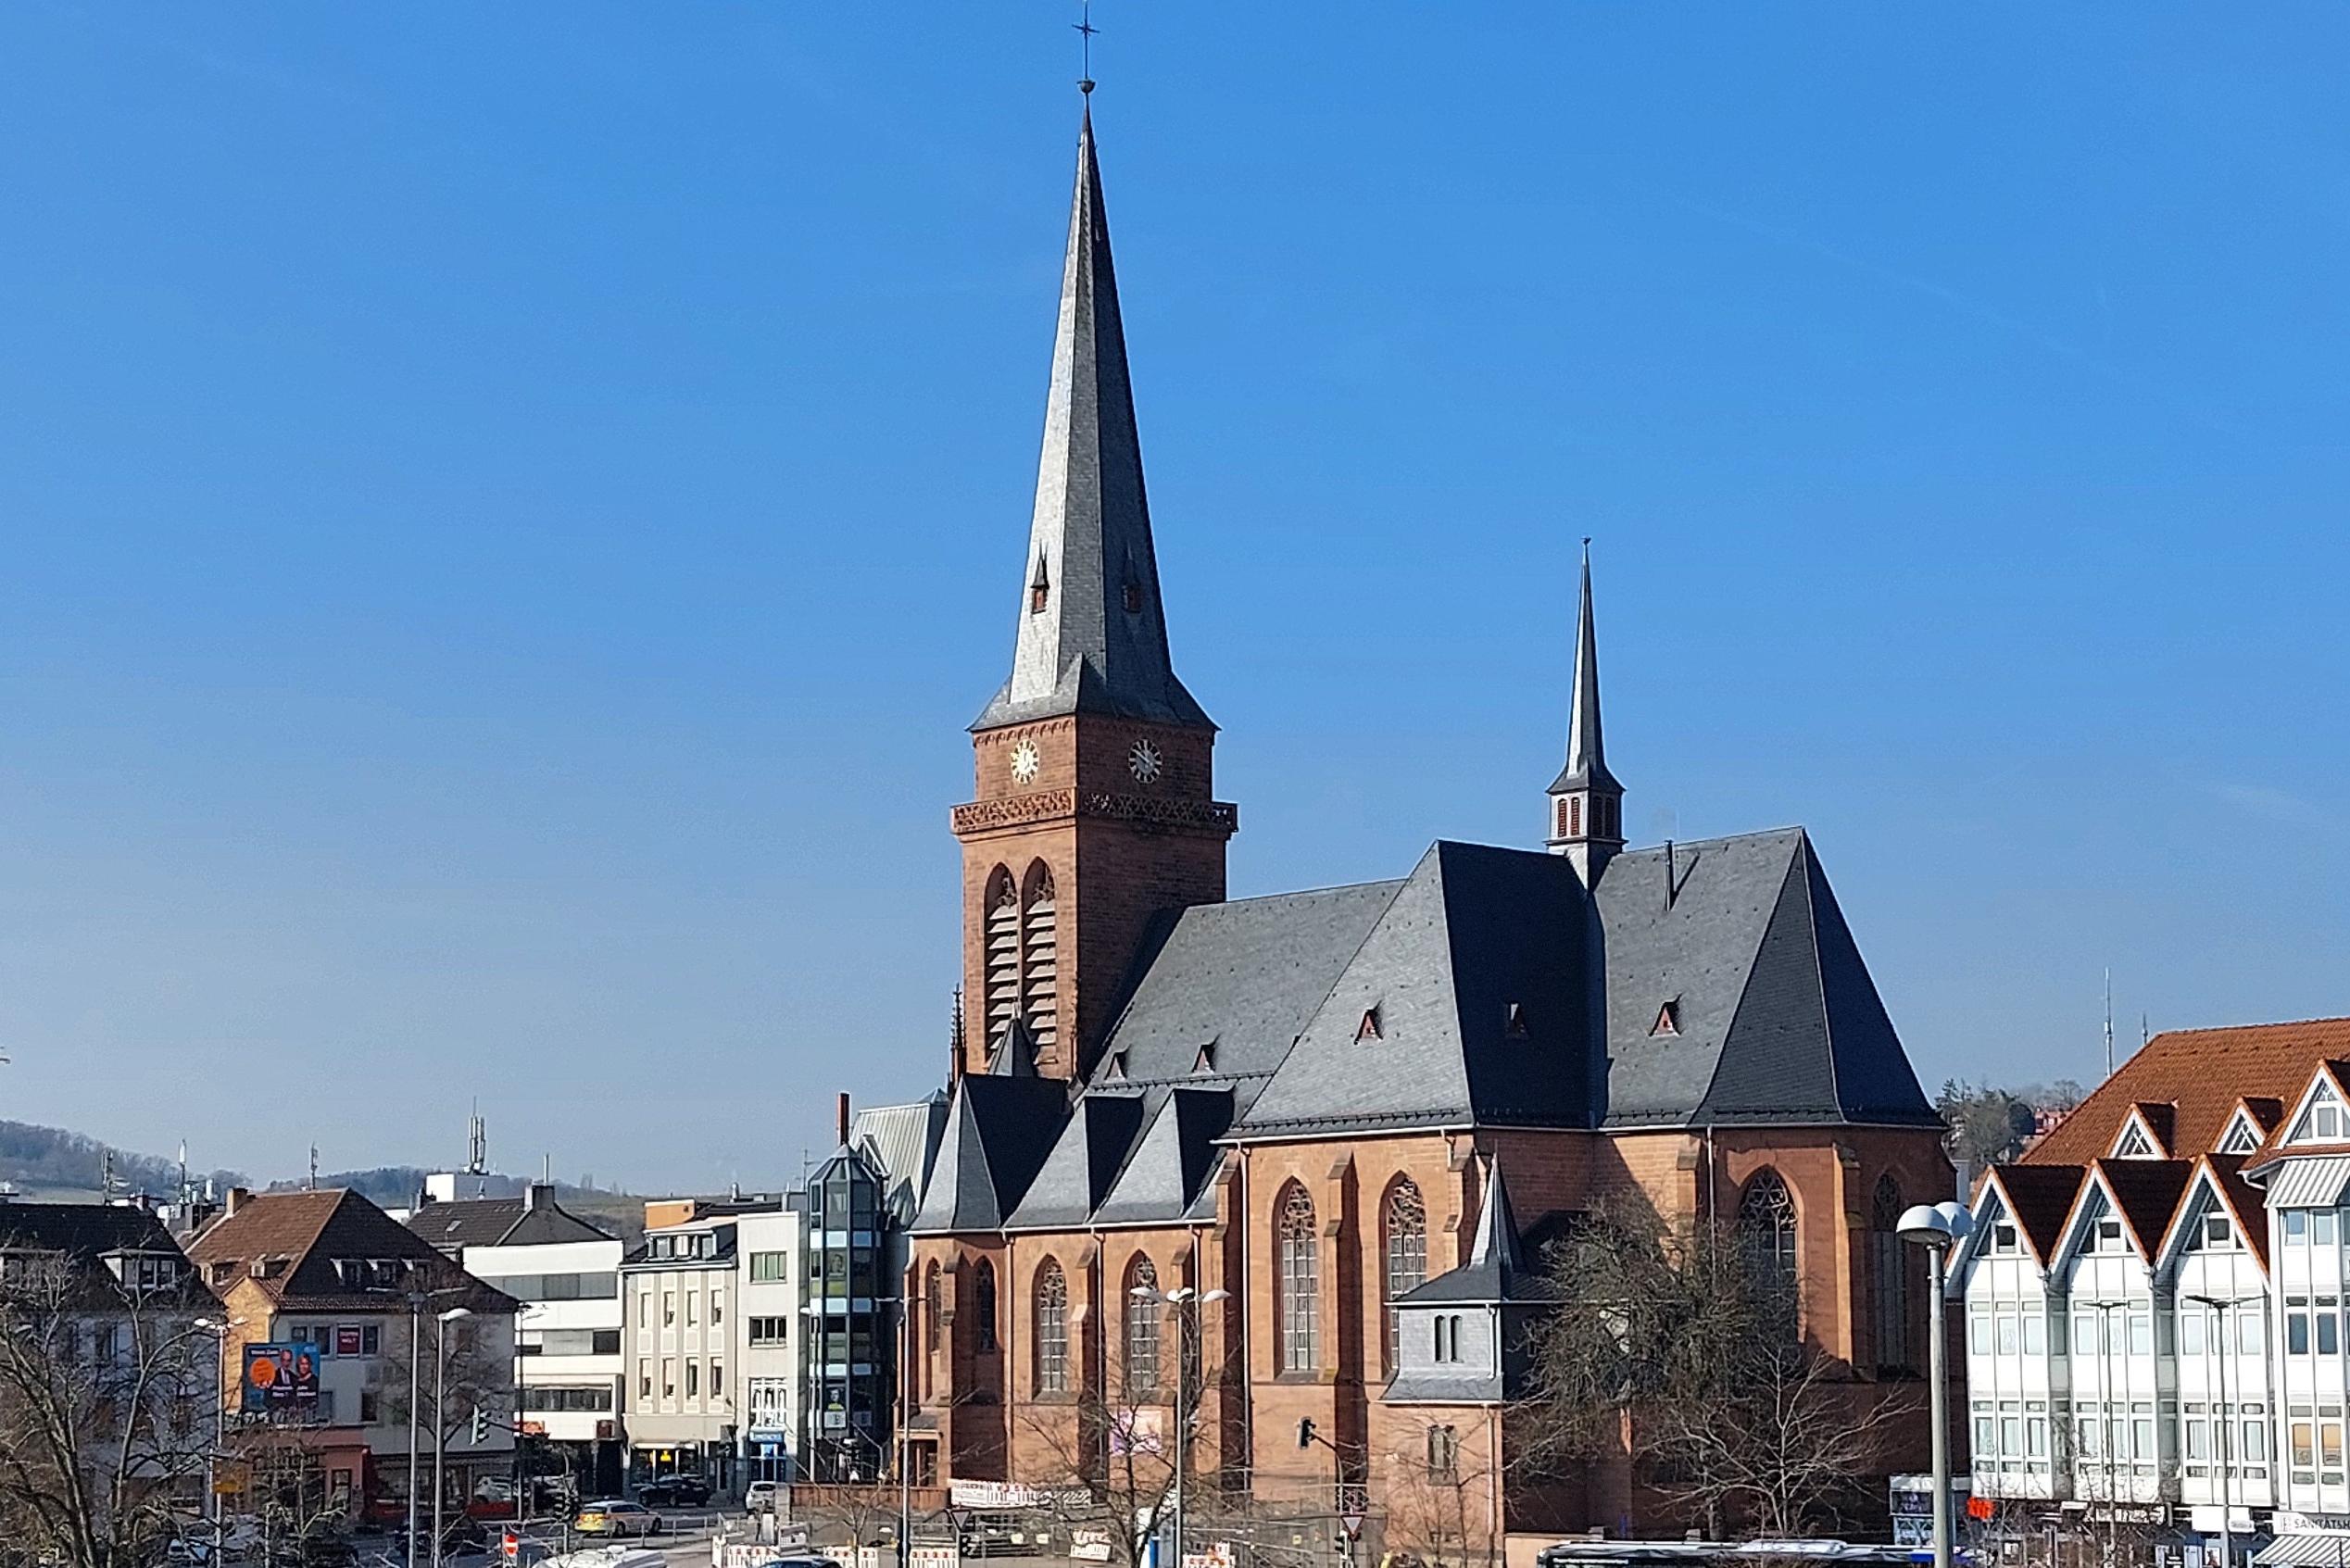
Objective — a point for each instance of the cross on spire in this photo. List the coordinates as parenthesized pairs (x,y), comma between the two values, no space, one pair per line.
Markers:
(1086,30)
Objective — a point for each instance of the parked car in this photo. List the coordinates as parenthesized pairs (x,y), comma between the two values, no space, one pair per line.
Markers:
(614,1517)
(763,1496)
(674,1492)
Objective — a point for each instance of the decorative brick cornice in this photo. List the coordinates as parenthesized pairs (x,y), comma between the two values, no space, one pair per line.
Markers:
(1014,810)
(1218,817)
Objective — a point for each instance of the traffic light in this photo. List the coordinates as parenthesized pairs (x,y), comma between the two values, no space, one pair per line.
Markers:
(1306,1431)
(480,1427)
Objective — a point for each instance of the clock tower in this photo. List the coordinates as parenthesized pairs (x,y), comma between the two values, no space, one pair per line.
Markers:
(1095,808)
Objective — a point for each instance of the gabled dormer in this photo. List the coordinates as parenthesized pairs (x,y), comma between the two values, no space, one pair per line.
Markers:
(2218,1216)
(2322,1115)
(2243,1134)
(2144,1134)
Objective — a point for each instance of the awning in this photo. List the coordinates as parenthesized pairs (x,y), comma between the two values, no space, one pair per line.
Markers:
(2305,1552)
(2315,1181)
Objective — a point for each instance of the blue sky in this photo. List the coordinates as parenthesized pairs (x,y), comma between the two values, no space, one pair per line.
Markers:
(508,513)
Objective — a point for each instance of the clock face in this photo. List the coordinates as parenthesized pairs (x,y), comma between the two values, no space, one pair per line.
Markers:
(1143,762)
(1024,758)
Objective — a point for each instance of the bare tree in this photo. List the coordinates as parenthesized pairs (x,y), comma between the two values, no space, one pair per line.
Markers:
(1436,1509)
(106,1410)
(1684,1347)
(1112,1470)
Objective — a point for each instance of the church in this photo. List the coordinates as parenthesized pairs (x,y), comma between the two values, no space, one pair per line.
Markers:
(1292,1159)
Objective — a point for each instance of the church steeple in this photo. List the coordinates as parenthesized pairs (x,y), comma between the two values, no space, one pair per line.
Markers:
(1096,810)
(1092,633)
(1586,804)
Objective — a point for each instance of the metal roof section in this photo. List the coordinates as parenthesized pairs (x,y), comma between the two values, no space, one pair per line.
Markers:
(2309,1182)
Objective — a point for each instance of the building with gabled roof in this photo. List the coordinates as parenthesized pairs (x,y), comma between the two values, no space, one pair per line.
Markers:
(2154,1296)
(1302,1101)
(328,1268)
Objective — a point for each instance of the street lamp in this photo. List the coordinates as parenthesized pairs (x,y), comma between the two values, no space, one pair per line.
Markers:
(440,1426)
(218,1329)
(1186,1302)
(1938,1227)
(2221,1348)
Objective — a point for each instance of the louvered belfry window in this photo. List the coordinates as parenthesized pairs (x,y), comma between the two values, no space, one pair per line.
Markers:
(1003,957)
(1299,1276)
(1039,961)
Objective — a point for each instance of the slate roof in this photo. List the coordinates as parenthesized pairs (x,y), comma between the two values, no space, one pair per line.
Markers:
(1585,765)
(1461,996)
(1496,1272)
(999,1131)
(2200,1074)
(83,1235)
(306,1233)
(1098,642)
(498,1222)
(1416,1028)
(1778,1019)
(1222,992)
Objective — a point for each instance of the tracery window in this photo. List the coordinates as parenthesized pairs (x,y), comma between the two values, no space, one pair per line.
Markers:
(1404,1219)
(1298,1275)
(1143,1322)
(1052,1329)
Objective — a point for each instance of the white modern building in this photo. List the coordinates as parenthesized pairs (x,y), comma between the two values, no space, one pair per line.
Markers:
(769,1283)
(569,1362)
(2153,1302)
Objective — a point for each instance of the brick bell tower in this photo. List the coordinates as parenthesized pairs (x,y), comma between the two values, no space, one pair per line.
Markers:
(1096,807)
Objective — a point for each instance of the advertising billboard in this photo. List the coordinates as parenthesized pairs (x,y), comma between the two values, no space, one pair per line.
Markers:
(280,1380)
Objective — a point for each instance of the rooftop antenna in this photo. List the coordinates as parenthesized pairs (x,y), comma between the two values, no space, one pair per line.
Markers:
(314,1168)
(184,1191)
(477,1142)
(546,1168)
(105,1174)
(2109,1021)
(1086,30)
(2145,1033)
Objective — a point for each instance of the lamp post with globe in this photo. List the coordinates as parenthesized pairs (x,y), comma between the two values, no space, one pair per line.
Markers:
(1938,1227)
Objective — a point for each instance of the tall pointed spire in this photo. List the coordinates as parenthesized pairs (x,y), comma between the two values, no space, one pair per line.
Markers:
(1092,633)
(1496,1242)
(1586,804)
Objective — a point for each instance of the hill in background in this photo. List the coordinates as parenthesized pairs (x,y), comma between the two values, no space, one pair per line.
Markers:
(53,1163)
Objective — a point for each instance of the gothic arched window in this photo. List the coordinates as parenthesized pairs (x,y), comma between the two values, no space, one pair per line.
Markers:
(1298,1277)
(1404,1220)
(1143,1316)
(1039,960)
(1052,1329)
(983,1307)
(1766,1240)
(1889,1280)
(1001,972)
(934,1309)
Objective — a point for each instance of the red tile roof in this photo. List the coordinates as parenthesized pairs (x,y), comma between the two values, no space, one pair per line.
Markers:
(2200,1074)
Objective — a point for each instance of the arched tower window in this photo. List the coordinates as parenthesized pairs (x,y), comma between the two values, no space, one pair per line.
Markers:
(1039,961)
(1404,1219)
(1052,1329)
(1766,1239)
(1001,1004)
(1144,1306)
(1889,1280)
(1298,1277)
(983,1307)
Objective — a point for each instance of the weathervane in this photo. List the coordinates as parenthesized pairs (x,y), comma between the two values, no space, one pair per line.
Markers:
(1086,30)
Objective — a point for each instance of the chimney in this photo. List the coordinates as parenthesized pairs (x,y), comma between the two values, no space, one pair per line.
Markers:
(238,1199)
(843,1118)
(538,1195)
